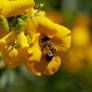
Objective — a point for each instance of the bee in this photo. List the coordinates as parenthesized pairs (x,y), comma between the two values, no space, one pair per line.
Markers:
(48,48)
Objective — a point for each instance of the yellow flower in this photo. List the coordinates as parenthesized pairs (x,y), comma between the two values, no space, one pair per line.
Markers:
(73,60)
(14,49)
(51,34)
(44,67)
(80,53)
(59,35)
(15,7)
(80,37)
(39,48)
(80,31)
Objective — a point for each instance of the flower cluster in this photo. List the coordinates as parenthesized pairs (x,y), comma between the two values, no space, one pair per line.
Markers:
(28,37)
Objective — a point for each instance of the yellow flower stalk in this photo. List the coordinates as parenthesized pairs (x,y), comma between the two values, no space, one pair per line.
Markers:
(15,7)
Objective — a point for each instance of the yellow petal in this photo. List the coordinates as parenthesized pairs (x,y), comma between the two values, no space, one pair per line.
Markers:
(44,67)
(7,38)
(53,66)
(35,50)
(7,50)
(15,7)
(60,35)
(31,67)
(22,40)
